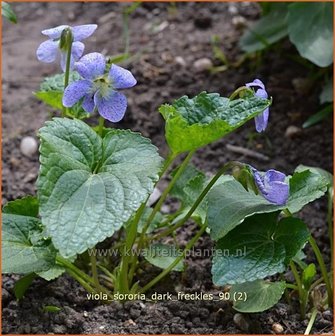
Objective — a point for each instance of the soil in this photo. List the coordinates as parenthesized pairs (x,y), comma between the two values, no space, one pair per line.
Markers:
(160,36)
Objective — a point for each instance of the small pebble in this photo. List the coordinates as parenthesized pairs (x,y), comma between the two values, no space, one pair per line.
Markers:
(165,209)
(28,146)
(277,328)
(241,322)
(239,21)
(154,197)
(203,64)
(85,313)
(292,131)
(180,61)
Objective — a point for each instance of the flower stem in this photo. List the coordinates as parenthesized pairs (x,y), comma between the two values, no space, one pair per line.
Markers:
(175,262)
(101,126)
(330,227)
(67,74)
(323,269)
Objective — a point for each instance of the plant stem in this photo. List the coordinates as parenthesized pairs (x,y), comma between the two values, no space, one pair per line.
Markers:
(291,286)
(323,269)
(300,289)
(197,202)
(101,126)
(330,227)
(75,276)
(131,236)
(167,190)
(67,74)
(176,261)
(94,269)
(311,321)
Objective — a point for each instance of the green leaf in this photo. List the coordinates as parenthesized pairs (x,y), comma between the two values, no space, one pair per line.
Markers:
(56,82)
(269,29)
(319,116)
(196,122)
(24,249)
(26,206)
(88,186)
(229,204)
(7,12)
(52,273)
(308,275)
(188,188)
(51,98)
(316,42)
(155,223)
(305,187)
(326,95)
(21,285)
(51,309)
(162,256)
(260,295)
(258,248)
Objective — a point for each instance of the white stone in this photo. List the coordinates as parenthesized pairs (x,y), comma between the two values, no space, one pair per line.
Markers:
(203,64)
(28,146)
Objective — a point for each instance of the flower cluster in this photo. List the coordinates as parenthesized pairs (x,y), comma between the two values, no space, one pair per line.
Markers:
(98,87)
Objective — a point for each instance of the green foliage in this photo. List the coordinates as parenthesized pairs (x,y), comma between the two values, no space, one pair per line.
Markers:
(269,29)
(258,248)
(88,186)
(52,273)
(158,221)
(51,93)
(261,295)
(229,203)
(7,12)
(26,206)
(24,248)
(21,285)
(326,95)
(315,43)
(162,256)
(308,275)
(195,122)
(281,19)
(319,116)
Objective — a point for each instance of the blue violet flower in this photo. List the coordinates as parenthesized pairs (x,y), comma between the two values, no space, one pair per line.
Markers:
(261,121)
(49,50)
(272,185)
(98,88)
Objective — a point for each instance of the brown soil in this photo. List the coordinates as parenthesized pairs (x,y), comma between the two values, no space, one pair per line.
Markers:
(187,34)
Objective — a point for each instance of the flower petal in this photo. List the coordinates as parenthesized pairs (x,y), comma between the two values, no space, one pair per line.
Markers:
(277,192)
(75,91)
(76,51)
(47,51)
(83,31)
(112,107)
(256,82)
(261,121)
(121,78)
(274,175)
(91,65)
(261,93)
(88,103)
(259,180)
(54,33)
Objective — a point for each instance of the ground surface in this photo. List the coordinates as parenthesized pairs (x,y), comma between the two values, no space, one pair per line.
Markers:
(161,35)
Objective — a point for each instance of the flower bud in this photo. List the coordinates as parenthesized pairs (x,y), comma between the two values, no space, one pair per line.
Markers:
(66,39)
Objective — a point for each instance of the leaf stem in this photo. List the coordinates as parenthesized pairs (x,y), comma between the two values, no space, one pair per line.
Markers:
(323,269)
(300,288)
(330,226)
(175,262)
(311,321)
(94,269)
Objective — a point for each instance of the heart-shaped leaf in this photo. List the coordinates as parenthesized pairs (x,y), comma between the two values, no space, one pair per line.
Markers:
(90,186)
(258,248)
(195,122)
(260,295)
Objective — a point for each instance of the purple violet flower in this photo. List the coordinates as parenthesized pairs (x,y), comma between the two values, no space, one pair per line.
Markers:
(272,186)
(261,121)
(99,88)
(49,50)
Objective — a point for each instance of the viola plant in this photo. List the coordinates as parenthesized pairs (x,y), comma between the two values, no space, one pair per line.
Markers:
(94,185)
